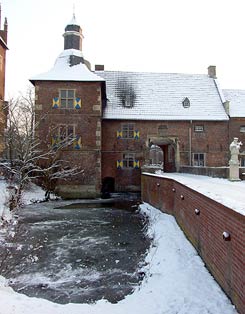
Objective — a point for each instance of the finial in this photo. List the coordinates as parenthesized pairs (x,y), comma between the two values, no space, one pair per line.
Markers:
(74,16)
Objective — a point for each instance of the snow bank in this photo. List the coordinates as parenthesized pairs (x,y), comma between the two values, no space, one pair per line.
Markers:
(176,281)
(34,193)
(230,194)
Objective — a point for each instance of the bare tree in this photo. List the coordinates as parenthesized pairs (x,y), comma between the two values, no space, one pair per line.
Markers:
(26,160)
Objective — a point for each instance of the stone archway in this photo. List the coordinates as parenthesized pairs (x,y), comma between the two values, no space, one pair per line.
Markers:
(170,148)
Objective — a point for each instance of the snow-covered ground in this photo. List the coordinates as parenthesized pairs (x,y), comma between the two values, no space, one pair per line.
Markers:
(176,281)
(33,193)
(230,194)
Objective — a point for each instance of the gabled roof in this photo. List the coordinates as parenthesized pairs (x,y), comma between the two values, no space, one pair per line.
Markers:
(236,97)
(63,71)
(159,96)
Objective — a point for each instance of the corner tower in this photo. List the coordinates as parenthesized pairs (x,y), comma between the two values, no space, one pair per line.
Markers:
(69,105)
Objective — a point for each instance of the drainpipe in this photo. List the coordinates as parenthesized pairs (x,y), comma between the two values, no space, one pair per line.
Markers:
(190,143)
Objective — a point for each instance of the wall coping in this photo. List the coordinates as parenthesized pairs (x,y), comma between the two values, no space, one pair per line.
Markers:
(230,194)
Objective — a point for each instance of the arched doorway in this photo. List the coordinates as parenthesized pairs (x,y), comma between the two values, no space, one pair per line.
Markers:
(170,152)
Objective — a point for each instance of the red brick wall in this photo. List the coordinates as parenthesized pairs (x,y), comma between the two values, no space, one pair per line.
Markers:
(213,142)
(224,259)
(2,71)
(87,121)
(234,129)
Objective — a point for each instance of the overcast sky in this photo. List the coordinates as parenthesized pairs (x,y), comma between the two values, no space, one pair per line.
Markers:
(183,36)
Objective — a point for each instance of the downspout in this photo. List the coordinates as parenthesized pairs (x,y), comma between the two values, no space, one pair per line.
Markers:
(190,143)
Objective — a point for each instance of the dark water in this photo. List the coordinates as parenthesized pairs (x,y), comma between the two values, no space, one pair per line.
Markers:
(77,253)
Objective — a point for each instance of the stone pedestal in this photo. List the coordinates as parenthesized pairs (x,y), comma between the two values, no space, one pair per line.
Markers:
(234,172)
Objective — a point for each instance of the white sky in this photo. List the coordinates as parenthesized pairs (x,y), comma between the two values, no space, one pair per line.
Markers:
(183,36)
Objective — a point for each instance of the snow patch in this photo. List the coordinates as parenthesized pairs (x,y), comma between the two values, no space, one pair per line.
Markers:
(176,281)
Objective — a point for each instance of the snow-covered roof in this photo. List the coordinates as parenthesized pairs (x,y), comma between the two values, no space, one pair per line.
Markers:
(236,97)
(3,43)
(62,71)
(159,96)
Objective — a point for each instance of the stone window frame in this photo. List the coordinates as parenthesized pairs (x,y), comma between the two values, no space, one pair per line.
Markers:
(68,99)
(199,128)
(128,160)
(242,128)
(127,130)
(199,159)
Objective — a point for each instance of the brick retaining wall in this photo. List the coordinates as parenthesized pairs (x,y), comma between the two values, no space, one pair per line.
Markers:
(224,259)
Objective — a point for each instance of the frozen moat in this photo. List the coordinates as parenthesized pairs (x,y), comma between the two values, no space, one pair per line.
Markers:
(76,252)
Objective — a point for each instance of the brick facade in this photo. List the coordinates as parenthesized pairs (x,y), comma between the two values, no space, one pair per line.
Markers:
(87,123)
(215,148)
(224,259)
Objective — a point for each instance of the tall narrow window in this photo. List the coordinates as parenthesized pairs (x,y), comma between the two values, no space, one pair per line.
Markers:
(242,161)
(67,98)
(198,159)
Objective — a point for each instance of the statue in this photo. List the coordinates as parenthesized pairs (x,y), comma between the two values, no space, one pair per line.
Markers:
(234,162)
(234,149)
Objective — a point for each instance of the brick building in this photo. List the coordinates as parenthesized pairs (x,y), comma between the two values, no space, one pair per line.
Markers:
(235,104)
(3,49)
(117,118)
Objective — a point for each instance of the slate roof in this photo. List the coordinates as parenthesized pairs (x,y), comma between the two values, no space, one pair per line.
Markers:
(62,71)
(236,97)
(159,96)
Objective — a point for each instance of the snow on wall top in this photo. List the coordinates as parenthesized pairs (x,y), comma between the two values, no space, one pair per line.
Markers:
(159,96)
(62,71)
(236,97)
(230,194)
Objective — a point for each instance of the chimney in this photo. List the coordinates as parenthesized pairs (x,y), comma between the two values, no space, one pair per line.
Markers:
(226,105)
(212,71)
(99,67)
(5,25)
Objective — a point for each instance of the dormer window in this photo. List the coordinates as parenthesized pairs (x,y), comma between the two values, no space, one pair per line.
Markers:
(186,102)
